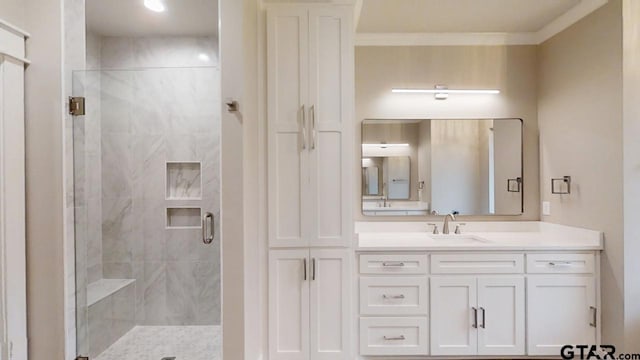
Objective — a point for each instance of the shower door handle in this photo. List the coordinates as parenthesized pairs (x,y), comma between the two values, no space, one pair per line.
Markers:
(208,228)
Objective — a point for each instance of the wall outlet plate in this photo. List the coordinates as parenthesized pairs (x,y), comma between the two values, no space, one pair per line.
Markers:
(546,208)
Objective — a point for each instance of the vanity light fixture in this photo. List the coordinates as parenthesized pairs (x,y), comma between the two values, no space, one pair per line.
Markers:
(441,92)
(383,145)
(155,5)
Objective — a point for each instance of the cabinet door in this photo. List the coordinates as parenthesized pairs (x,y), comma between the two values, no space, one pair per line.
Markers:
(330,281)
(453,320)
(501,316)
(288,305)
(288,142)
(330,121)
(561,311)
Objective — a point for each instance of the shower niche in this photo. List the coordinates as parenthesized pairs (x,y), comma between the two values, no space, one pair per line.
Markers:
(184,180)
(183,217)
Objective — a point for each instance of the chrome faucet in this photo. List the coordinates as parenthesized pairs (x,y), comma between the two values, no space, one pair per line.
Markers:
(447,218)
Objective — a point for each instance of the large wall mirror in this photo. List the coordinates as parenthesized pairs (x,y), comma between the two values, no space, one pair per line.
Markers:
(460,166)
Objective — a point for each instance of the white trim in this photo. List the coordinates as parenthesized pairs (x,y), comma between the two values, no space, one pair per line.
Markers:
(13,317)
(357,11)
(444,39)
(17,58)
(14,29)
(573,15)
(3,253)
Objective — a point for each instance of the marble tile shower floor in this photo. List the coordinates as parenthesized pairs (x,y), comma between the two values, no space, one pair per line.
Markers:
(158,342)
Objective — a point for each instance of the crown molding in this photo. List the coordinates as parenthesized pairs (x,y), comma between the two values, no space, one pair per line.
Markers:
(573,15)
(14,29)
(443,39)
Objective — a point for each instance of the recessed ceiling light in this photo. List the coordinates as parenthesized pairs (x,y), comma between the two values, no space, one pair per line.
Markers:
(155,5)
(204,57)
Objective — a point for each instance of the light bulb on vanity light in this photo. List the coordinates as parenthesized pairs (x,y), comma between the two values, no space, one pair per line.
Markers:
(204,57)
(155,5)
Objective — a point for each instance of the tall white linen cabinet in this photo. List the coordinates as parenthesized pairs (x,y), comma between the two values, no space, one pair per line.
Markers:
(310,79)
(13,283)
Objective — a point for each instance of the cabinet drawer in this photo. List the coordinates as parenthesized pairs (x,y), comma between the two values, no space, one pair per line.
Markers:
(393,295)
(477,263)
(560,263)
(394,336)
(393,264)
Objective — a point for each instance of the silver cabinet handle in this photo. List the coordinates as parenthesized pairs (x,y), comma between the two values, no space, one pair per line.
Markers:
(483,325)
(385,296)
(208,228)
(594,314)
(304,128)
(393,264)
(312,110)
(561,263)
(313,268)
(304,268)
(391,338)
(475,318)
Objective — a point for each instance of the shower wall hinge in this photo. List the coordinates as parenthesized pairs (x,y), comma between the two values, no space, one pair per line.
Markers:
(76,105)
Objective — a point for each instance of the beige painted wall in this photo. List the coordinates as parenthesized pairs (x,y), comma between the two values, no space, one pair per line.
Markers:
(13,12)
(631,130)
(580,119)
(512,69)
(44,158)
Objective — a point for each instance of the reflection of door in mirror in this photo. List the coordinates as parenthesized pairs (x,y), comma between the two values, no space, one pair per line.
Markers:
(370,178)
(398,175)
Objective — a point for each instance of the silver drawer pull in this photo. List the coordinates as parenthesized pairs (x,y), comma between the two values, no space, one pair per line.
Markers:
(385,296)
(393,264)
(392,338)
(559,263)
(594,320)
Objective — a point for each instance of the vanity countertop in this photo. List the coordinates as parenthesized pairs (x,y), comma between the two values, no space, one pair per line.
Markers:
(479,236)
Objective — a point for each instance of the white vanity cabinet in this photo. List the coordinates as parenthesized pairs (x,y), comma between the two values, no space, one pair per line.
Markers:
(466,303)
(309,304)
(477,315)
(562,302)
(310,113)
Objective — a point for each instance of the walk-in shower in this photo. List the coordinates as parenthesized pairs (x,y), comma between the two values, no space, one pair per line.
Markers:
(146,185)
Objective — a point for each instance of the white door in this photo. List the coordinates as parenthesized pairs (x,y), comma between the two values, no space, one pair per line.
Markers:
(560,311)
(330,302)
(288,136)
(453,315)
(398,177)
(289,304)
(501,316)
(330,120)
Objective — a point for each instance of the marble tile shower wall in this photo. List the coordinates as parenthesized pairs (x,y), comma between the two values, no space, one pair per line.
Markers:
(149,117)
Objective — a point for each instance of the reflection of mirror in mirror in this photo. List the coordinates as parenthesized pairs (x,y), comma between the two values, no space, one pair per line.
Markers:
(465,166)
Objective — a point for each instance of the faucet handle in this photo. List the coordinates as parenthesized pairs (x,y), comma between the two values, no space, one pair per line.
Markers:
(435,228)
(458,231)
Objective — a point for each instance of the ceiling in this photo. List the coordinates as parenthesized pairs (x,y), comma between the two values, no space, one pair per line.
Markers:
(420,16)
(466,21)
(132,18)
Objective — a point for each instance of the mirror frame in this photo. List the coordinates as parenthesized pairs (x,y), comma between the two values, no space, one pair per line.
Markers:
(523,182)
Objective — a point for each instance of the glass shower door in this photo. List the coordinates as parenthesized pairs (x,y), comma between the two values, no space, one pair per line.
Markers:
(146,175)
